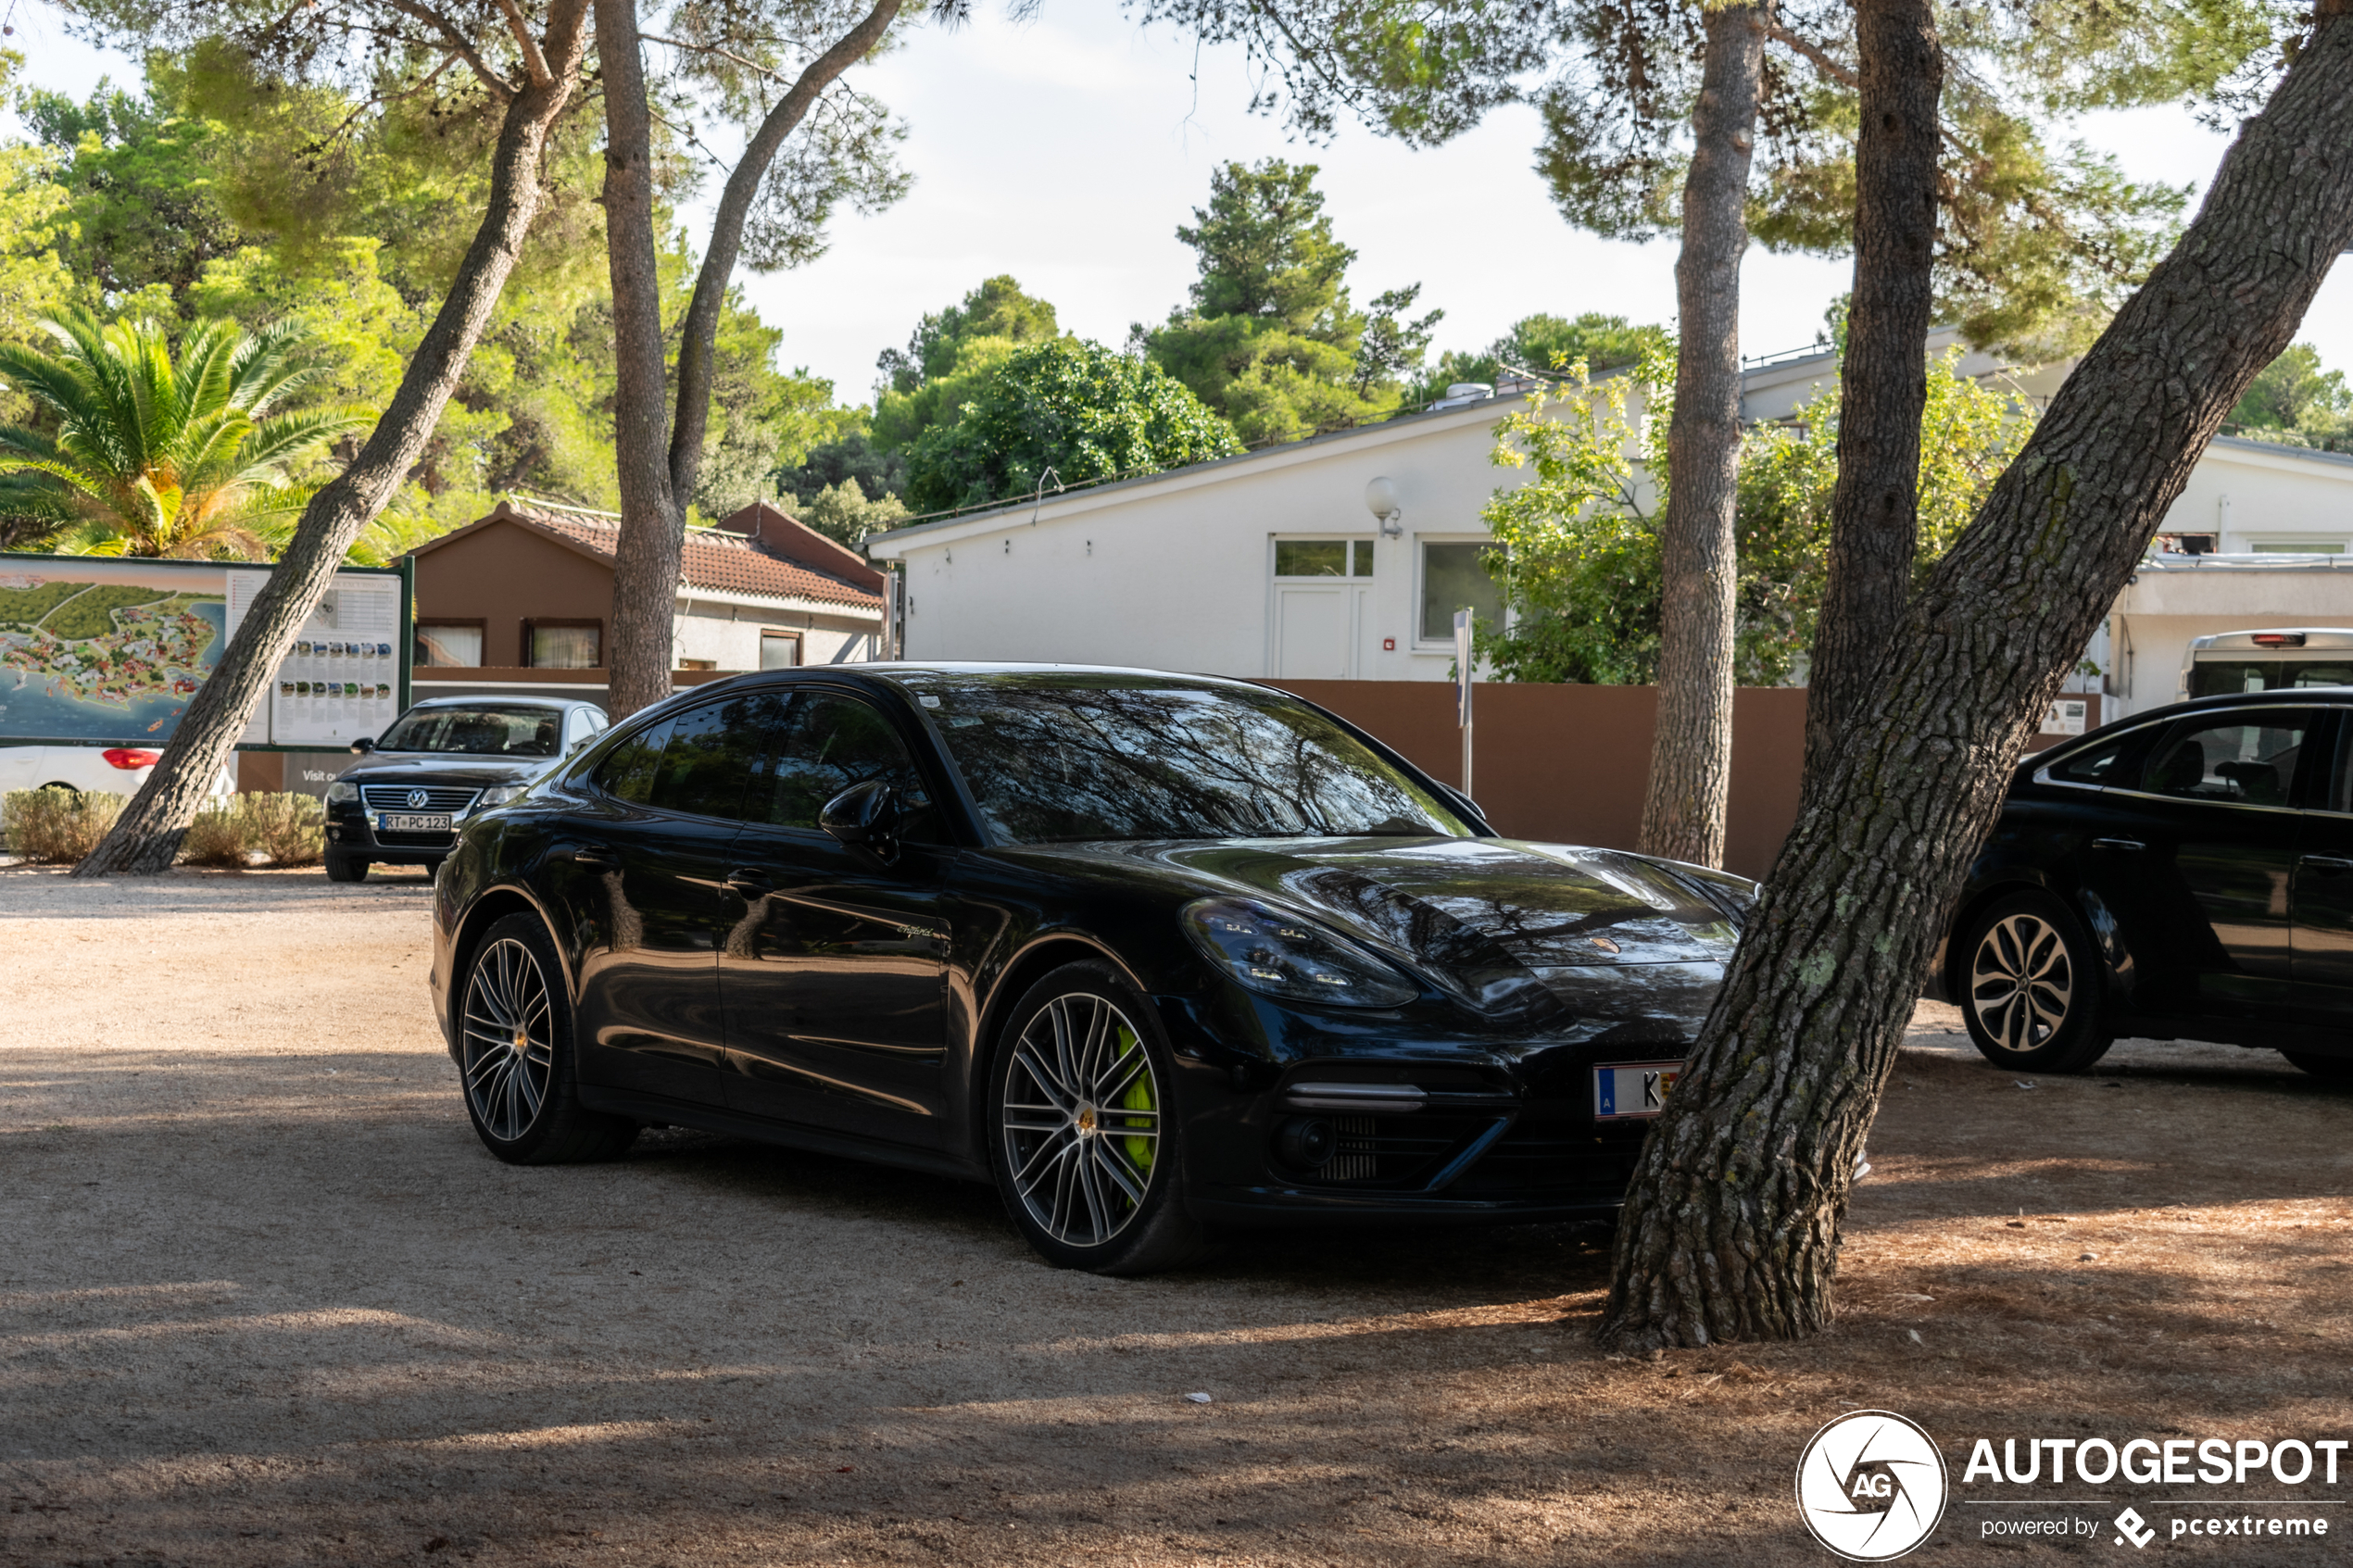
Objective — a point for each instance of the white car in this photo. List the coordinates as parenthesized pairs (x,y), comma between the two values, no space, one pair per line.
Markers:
(113,769)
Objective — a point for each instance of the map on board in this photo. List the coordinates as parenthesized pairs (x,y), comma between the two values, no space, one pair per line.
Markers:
(109,650)
(106,651)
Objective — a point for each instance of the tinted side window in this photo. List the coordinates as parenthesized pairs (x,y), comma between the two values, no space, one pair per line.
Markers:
(2340,796)
(2096,765)
(829,743)
(627,771)
(2246,759)
(709,759)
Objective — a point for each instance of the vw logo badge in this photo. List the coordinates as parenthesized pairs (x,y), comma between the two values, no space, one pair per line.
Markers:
(417,798)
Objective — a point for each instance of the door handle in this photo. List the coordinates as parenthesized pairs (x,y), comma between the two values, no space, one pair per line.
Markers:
(2326,865)
(596,855)
(747,879)
(2117,843)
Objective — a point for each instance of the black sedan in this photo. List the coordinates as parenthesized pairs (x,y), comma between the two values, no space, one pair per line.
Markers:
(2186,873)
(444,759)
(1150,952)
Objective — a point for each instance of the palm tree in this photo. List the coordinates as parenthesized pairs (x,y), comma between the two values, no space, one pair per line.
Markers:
(157,458)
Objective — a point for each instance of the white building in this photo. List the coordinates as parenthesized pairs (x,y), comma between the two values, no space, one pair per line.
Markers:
(1274,563)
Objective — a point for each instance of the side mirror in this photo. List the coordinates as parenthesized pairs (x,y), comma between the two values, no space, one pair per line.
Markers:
(865,815)
(363,745)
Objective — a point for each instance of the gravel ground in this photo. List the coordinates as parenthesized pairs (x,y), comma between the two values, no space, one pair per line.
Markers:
(264,1300)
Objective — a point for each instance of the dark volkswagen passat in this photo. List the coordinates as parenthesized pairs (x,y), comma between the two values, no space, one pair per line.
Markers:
(2186,873)
(445,757)
(1152,952)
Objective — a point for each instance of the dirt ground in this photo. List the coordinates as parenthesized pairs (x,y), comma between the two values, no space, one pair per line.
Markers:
(264,1300)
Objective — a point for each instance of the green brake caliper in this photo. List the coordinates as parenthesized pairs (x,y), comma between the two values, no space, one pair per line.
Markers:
(1138,1097)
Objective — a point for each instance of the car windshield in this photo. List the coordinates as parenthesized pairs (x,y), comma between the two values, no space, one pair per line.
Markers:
(477,729)
(1056,758)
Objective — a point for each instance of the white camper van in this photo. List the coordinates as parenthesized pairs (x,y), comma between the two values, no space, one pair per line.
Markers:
(2263,662)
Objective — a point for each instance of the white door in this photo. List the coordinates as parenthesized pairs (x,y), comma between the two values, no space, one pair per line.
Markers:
(1316,631)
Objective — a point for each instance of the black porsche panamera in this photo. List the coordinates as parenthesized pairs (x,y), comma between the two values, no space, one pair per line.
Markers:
(1154,953)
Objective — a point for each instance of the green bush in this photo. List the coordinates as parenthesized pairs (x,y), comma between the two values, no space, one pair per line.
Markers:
(217,837)
(286,830)
(57,826)
(290,829)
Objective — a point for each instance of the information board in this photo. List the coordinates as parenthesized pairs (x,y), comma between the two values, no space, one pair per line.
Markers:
(98,650)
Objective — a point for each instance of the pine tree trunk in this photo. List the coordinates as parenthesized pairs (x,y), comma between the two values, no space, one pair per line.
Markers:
(1883,381)
(1692,752)
(145,838)
(653,515)
(660,459)
(699,333)
(1731,1227)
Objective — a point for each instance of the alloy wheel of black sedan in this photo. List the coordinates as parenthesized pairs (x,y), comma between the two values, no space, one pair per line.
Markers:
(510,1048)
(1081,1120)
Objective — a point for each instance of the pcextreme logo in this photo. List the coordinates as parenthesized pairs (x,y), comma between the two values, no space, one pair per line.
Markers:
(1872,1486)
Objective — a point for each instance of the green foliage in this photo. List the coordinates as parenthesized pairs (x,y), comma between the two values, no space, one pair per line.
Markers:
(1581,537)
(1577,545)
(844,514)
(1543,345)
(1271,340)
(950,354)
(1086,411)
(282,830)
(153,457)
(57,826)
(852,455)
(224,192)
(2297,403)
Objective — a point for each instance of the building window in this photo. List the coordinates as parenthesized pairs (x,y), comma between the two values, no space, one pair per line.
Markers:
(1456,577)
(2291,545)
(563,644)
(779,650)
(449,643)
(1323,558)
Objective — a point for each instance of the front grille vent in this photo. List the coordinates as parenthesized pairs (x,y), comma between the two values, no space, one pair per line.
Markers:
(438,798)
(1358,1159)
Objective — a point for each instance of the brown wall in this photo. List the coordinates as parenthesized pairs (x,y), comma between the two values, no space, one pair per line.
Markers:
(1567,764)
(504,575)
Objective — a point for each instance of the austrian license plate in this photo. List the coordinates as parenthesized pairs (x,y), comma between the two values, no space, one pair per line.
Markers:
(1624,1090)
(409,822)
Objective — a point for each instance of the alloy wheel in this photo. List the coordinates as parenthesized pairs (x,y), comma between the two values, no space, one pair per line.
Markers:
(510,1050)
(1081,1120)
(2020,982)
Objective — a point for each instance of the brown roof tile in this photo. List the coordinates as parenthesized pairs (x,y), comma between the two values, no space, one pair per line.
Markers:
(721,562)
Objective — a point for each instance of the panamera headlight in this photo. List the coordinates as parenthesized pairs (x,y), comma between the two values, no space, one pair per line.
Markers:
(340,793)
(1284,956)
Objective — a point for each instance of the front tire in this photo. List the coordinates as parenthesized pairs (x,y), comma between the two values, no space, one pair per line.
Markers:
(519,1067)
(2030,987)
(344,867)
(1082,1138)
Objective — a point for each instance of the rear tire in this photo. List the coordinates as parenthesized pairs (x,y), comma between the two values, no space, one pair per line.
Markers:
(1083,1138)
(2030,986)
(2329,1069)
(345,868)
(520,1072)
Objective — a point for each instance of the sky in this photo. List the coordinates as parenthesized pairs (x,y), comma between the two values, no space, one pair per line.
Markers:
(1066,149)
